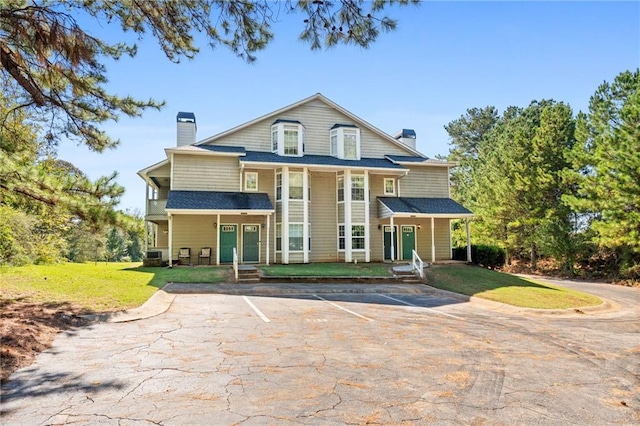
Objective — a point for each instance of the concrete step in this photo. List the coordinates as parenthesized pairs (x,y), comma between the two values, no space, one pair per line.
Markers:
(248,280)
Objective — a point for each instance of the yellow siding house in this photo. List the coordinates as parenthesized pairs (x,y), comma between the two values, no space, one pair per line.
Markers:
(310,182)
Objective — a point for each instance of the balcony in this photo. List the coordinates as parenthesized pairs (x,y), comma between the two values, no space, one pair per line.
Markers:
(156,209)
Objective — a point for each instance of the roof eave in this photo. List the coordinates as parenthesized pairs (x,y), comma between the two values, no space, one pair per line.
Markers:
(248,212)
(324,166)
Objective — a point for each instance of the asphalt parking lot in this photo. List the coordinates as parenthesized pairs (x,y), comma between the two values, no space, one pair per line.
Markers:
(340,358)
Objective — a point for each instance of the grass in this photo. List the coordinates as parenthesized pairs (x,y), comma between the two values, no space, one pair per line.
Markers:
(328,270)
(505,288)
(97,287)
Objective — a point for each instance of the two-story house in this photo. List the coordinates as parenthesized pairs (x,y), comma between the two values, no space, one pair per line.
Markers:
(310,182)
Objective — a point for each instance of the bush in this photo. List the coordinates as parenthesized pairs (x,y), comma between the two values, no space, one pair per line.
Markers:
(487,256)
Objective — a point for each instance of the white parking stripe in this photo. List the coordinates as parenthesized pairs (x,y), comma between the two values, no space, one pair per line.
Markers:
(423,307)
(257,311)
(344,309)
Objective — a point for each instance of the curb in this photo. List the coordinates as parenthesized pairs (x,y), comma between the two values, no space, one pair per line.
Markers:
(157,304)
(605,307)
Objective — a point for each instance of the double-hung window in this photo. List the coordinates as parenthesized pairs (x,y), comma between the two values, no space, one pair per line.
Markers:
(278,236)
(295,185)
(287,138)
(278,186)
(340,188)
(357,187)
(251,181)
(341,237)
(357,237)
(344,141)
(296,237)
(389,186)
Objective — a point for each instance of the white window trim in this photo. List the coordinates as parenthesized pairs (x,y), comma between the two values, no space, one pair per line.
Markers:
(289,242)
(278,232)
(338,179)
(340,132)
(301,186)
(279,174)
(364,238)
(338,237)
(364,187)
(246,180)
(385,186)
(279,128)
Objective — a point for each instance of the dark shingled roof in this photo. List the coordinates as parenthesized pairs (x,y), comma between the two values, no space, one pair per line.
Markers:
(220,148)
(213,200)
(269,157)
(410,159)
(352,126)
(423,205)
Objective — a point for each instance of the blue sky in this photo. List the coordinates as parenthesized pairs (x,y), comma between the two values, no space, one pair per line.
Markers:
(444,58)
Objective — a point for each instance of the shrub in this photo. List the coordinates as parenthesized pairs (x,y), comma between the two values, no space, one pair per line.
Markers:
(491,257)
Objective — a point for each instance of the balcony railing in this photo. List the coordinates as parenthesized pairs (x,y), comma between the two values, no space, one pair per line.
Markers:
(156,207)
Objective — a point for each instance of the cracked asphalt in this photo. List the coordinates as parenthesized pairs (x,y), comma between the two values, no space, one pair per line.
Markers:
(398,357)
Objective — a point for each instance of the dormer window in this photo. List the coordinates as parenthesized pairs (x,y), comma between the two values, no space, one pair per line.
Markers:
(287,138)
(344,141)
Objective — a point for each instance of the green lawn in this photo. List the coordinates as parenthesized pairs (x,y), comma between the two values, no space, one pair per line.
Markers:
(97,287)
(328,270)
(505,288)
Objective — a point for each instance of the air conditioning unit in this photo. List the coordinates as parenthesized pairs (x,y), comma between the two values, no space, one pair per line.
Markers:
(154,254)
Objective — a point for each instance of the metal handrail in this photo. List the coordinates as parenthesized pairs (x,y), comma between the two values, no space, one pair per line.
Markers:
(235,263)
(417,264)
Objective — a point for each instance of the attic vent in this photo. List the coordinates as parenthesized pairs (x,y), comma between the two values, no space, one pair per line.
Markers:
(407,137)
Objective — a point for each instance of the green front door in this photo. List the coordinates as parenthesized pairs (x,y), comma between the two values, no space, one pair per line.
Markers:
(250,243)
(228,241)
(387,242)
(408,241)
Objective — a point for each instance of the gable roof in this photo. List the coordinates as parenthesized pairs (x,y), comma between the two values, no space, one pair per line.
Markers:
(215,200)
(418,161)
(325,100)
(413,206)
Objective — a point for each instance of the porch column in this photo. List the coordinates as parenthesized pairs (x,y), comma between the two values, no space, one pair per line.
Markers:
(218,239)
(348,255)
(468,241)
(146,224)
(305,215)
(433,240)
(268,232)
(170,219)
(393,240)
(285,216)
(367,231)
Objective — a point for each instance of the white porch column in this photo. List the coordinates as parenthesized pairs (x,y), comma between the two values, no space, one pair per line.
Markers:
(393,240)
(146,224)
(433,241)
(218,239)
(468,241)
(285,216)
(170,219)
(367,231)
(305,215)
(348,255)
(268,232)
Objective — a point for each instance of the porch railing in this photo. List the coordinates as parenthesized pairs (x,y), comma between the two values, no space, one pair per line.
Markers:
(235,263)
(156,207)
(417,264)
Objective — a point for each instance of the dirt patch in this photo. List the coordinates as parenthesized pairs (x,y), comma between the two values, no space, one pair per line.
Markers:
(27,329)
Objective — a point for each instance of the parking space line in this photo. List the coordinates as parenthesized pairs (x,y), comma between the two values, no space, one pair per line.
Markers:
(418,306)
(344,309)
(255,308)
